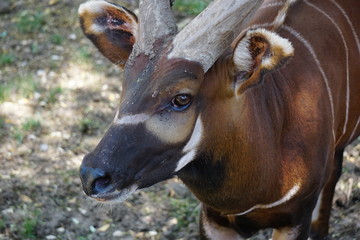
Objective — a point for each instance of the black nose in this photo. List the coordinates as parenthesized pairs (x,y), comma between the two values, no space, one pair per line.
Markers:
(94,180)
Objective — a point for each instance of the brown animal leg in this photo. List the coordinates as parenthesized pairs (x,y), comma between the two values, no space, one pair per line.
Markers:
(215,229)
(202,230)
(321,215)
(300,232)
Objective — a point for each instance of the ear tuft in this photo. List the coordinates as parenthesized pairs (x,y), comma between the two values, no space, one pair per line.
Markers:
(281,49)
(258,52)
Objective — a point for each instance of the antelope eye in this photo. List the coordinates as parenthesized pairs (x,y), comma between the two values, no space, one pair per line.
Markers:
(181,102)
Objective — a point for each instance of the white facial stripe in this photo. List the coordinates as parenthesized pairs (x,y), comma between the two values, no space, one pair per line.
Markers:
(188,157)
(192,144)
(195,137)
(132,119)
(291,193)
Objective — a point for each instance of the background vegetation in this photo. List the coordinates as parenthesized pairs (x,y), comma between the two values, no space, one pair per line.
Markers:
(57,97)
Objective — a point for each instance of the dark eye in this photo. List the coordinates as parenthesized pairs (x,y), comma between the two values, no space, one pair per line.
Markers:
(181,102)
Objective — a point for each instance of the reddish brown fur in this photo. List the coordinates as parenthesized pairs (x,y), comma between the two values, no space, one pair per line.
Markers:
(283,128)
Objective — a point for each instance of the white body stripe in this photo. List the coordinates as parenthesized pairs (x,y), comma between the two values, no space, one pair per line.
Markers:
(347,64)
(280,18)
(358,46)
(349,22)
(326,81)
(132,119)
(354,131)
(191,146)
(116,115)
(291,193)
(316,211)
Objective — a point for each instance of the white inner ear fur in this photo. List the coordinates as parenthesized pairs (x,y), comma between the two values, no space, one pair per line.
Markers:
(242,57)
(95,7)
(279,47)
(98,8)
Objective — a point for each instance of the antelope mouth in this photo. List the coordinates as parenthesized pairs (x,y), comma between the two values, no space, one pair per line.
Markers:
(116,196)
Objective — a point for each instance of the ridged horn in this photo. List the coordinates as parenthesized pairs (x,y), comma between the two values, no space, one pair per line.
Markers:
(156,21)
(205,38)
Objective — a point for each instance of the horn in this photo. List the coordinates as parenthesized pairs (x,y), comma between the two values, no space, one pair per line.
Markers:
(205,38)
(156,21)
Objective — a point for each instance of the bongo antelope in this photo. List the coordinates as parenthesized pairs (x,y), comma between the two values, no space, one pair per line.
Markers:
(251,105)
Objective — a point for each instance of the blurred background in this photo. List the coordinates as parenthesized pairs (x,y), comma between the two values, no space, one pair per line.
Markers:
(57,97)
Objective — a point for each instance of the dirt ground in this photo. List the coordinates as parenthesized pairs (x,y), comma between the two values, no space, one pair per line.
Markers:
(57,97)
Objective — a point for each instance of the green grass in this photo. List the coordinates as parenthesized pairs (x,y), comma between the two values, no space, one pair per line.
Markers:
(5,90)
(35,48)
(56,39)
(89,126)
(185,211)
(28,225)
(28,228)
(30,22)
(20,85)
(53,95)
(31,125)
(2,225)
(191,7)
(68,176)
(7,59)
(81,238)
(2,126)
(26,86)
(83,54)
(2,122)
(17,134)
(3,34)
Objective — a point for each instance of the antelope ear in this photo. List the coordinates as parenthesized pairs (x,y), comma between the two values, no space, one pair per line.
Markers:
(257,53)
(110,27)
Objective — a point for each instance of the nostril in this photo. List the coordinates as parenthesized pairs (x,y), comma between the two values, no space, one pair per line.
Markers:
(94,180)
(100,185)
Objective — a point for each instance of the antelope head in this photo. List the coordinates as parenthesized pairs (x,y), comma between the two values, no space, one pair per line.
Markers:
(158,127)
